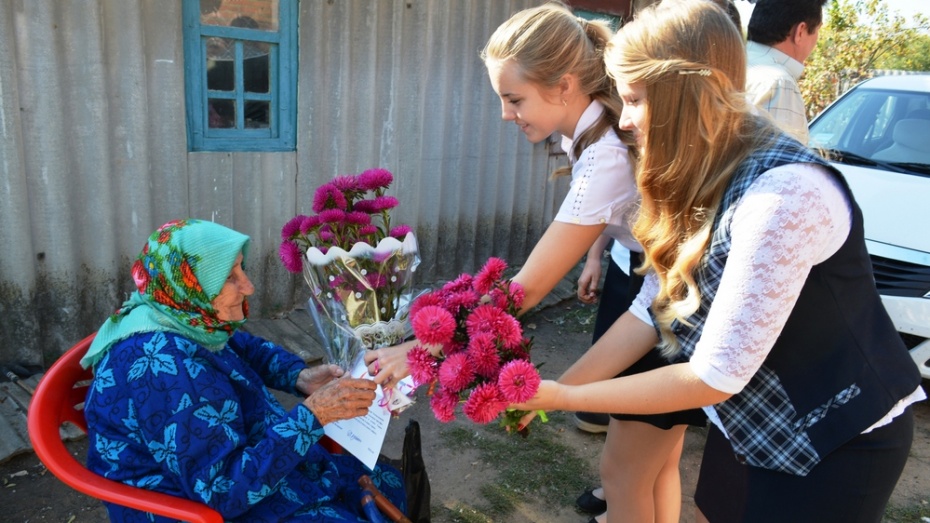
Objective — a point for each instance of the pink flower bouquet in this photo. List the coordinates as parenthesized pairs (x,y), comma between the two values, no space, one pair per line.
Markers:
(359,268)
(472,349)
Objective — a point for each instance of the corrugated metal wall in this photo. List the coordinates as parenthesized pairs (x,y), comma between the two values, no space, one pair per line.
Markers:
(93,152)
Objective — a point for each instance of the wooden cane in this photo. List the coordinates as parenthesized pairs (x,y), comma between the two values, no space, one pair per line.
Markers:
(384,504)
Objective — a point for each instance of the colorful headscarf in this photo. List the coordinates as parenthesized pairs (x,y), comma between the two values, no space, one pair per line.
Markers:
(178,274)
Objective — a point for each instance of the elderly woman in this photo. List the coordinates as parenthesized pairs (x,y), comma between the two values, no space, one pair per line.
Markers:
(180,401)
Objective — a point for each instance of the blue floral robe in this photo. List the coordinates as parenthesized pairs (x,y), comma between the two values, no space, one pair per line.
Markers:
(166,414)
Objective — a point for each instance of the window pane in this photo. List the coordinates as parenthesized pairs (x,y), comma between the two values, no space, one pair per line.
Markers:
(255,14)
(257,115)
(255,73)
(222,113)
(221,68)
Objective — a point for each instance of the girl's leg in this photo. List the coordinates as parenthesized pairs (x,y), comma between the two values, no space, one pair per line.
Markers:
(639,471)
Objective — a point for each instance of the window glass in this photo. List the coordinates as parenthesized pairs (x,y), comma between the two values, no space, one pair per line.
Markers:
(255,14)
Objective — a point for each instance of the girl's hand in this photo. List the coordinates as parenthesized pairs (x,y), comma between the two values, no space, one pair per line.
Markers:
(546,398)
(388,365)
(587,282)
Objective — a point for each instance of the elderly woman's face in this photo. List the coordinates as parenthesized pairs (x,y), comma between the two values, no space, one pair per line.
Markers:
(228,303)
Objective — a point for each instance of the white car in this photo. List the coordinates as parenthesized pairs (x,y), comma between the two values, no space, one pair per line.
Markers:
(878,135)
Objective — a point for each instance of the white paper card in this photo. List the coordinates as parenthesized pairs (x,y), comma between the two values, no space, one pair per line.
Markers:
(363,437)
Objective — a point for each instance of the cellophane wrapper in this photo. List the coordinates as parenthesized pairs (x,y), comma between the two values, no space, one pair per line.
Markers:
(360,299)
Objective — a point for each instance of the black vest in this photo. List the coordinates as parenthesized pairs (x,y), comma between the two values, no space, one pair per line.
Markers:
(838,365)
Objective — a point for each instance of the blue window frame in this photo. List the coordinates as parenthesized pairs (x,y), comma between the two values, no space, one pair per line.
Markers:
(241,75)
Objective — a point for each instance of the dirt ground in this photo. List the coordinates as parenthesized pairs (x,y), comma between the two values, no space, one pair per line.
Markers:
(28,492)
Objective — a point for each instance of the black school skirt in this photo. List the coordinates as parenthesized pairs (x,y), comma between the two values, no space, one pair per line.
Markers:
(851,484)
(619,292)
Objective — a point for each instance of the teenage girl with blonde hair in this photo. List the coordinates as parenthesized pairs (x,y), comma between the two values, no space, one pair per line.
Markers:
(758,289)
(547,66)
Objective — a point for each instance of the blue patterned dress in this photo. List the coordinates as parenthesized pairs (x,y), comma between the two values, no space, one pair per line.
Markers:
(166,414)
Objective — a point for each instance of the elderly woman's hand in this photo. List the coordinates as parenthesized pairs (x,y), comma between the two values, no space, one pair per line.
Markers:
(389,364)
(312,378)
(340,399)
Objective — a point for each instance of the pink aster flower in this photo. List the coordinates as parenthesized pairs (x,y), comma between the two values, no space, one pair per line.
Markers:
(518,381)
(383,203)
(484,404)
(291,256)
(430,298)
(490,274)
(433,325)
(374,179)
(485,318)
(367,230)
(358,218)
(463,282)
(443,404)
(509,332)
(456,301)
(517,294)
(292,227)
(400,231)
(453,347)
(366,206)
(455,374)
(346,183)
(327,196)
(309,223)
(482,354)
(423,365)
(332,216)
(376,280)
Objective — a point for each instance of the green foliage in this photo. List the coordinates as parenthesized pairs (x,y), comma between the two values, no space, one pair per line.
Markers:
(857,37)
(915,58)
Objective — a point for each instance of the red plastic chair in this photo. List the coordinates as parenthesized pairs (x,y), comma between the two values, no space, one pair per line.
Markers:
(59,397)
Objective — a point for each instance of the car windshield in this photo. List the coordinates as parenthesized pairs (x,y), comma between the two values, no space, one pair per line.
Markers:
(876,127)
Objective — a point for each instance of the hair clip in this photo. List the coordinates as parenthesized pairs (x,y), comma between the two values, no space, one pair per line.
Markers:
(702,72)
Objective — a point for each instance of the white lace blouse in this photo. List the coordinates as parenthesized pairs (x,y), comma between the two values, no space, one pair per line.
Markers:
(791,218)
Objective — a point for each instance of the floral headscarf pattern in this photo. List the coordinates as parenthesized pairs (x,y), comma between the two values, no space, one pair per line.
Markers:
(180,271)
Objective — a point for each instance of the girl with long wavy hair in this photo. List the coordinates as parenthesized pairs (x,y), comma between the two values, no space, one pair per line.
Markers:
(758,290)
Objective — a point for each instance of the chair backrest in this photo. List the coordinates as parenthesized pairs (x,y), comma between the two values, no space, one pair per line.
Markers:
(59,397)
(911,142)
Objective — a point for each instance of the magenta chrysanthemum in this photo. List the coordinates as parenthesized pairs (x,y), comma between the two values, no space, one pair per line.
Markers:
(346,183)
(400,231)
(462,283)
(292,227)
(484,404)
(482,354)
(367,230)
(485,318)
(374,179)
(384,203)
(327,196)
(455,374)
(358,218)
(453,347)
(376,280)
(309,223)
(430,298)
(433,325)
(456,301)
(443,404)
(517,295)
(291,256)
(423,365)
(333,216)
(366,206)
(490,274)
(518,381)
